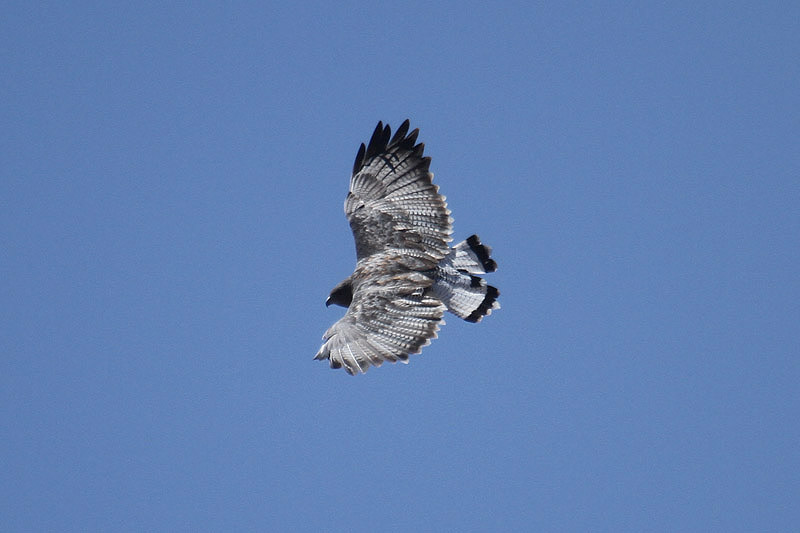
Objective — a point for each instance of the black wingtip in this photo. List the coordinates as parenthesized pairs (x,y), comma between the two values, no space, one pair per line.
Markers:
(382,140)
(411,140)
(359,158)
(401,132)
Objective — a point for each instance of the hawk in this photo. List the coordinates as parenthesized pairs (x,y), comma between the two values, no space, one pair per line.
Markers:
(406,274)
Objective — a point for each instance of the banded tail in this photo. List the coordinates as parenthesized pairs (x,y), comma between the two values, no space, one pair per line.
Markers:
(456,285)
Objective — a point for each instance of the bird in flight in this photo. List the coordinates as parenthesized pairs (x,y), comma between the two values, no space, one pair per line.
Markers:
(406,274)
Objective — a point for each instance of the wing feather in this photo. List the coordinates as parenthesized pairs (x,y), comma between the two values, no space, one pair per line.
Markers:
(392,203)
(358,340)
(392,315)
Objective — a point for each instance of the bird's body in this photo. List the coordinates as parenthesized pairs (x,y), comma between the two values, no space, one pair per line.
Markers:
(406,274)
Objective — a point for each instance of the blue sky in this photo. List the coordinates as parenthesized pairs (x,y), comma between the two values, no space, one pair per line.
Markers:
(171,215)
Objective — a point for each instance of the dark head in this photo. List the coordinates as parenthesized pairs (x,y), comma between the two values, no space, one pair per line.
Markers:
(342,294)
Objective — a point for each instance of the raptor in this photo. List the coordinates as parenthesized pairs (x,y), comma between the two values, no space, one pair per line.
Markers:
(406,274)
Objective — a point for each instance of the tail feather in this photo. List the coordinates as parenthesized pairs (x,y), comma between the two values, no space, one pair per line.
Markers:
(465,294)
(472,256)
(485,308)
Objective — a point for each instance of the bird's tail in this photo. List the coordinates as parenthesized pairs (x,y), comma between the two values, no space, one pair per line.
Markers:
(456,285)
(471,256)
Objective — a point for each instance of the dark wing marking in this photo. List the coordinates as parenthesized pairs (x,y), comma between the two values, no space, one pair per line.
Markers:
(391,316)
(392,203)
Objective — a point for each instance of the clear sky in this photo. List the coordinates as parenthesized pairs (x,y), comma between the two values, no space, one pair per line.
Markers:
(172,181)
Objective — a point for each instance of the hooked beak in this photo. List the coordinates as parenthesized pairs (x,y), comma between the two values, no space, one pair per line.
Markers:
(328,302)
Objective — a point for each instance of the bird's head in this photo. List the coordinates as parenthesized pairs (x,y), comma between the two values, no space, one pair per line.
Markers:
(342,294)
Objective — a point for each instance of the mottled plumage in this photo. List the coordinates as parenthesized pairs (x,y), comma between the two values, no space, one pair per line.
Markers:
(406,274)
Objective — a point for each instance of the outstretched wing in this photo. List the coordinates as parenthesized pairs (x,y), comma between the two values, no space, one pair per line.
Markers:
(392,203)
(380,327)
(393,314)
